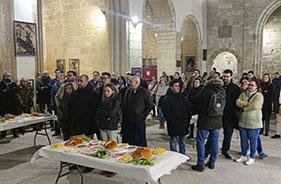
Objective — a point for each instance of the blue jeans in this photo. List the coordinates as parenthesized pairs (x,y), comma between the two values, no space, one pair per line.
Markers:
(213,145)
(227,135)
(246,136)
(161,116)
(259,147)
(175,140)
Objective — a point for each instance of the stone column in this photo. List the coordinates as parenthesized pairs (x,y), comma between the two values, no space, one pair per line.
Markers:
(167,52)
(118,35)
(7,56)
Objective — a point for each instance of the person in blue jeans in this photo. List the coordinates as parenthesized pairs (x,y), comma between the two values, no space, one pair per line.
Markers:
(176,110)
(208,125)
(250,121)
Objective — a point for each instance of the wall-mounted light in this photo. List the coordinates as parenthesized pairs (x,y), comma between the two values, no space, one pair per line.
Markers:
(135,20)
(97,18)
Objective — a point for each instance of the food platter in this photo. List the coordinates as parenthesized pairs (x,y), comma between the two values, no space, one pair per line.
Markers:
(122,153)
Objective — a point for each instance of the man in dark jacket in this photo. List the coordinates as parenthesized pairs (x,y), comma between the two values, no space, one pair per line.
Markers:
(43,89)
(208,125)
(137,103)
(9,101)
(83,107)
(177,112)
(229,119)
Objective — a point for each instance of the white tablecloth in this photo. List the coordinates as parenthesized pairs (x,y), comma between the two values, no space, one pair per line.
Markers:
(164,164)
(21,122)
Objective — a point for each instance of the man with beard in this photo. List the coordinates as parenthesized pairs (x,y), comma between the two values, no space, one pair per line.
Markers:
(230,120)
(83,107)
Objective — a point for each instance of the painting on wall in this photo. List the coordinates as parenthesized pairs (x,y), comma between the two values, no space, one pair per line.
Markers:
(190,63)
(60,65)
(25,38)
(136,71)
(74,65)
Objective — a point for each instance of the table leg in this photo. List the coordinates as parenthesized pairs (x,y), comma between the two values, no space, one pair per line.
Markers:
(63,165)
(44,134)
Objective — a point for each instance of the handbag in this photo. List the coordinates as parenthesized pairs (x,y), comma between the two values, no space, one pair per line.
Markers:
(241,110)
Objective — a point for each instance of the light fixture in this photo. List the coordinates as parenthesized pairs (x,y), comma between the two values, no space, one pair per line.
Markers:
(97,18)
(135,20)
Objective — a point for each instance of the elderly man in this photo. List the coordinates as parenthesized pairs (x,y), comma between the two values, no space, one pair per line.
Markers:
(95,81)
(9,101)
(137,103)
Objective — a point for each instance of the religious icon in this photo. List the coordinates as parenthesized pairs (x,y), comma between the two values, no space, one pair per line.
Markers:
(25,38)
(60,65)
(74,65)
(225,31)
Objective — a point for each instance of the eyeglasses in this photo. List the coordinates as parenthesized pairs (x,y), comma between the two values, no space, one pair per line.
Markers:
(251,85)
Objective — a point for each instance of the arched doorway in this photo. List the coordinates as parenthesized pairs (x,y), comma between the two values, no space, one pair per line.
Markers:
(226,60)
(157,35)
(271,48)
(190,44)
(259,42)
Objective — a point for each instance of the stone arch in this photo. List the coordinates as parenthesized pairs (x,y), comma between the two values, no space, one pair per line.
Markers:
(195,22)
(216,53)
(259,34)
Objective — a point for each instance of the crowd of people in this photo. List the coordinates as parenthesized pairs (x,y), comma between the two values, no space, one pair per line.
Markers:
(99,106)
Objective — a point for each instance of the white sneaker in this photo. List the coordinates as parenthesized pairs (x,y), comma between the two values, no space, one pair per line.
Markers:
(250,161)
(241,159)
(188,158)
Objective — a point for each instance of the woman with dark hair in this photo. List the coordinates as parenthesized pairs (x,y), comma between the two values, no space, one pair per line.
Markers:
(122,86)
(267,91)
(107,114)
(250,120)
(193,92)
(64,112)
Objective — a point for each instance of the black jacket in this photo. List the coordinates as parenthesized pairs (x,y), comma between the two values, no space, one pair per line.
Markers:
(230,110)
(177,112)
(136,106)
(43,90)
(83,107)
(9,101)
(193,92)
(268,94)
(204,120)
(107,114)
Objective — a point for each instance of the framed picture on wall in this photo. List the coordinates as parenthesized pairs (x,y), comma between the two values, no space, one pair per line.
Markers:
(74,65)
(25,38)
(60,65)
(137,71)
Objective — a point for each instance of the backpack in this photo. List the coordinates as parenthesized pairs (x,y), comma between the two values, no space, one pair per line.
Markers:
(216,104)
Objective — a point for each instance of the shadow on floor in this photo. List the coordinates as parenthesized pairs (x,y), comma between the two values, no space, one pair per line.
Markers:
(12,159)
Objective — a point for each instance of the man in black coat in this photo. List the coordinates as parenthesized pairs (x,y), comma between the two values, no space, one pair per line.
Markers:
(137,103)
(9,101)
(177,112)
(83,107)
(230,120)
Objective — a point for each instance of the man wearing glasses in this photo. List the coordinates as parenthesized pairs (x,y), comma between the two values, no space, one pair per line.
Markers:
(230,120)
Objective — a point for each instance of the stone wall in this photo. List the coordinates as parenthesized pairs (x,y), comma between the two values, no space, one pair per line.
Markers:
(271,61)
(75,30)
(243,17)
(7,58)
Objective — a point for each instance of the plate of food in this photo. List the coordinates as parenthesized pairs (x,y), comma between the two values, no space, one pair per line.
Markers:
(101,154)
(159,151)
(125,158)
